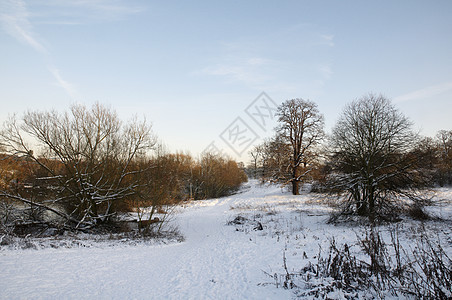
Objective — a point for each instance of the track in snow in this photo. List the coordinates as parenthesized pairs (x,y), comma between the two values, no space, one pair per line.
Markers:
(214,262)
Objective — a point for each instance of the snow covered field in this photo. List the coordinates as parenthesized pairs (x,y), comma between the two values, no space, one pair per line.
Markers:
(233,246)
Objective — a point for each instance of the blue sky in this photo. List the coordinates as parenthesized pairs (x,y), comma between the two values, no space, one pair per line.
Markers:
(193,67)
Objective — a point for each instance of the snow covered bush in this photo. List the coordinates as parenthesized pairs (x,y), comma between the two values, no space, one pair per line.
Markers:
(372,163)
(387,269)
(84,165)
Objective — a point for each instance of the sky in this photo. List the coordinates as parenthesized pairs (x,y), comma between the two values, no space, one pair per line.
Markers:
(208,75)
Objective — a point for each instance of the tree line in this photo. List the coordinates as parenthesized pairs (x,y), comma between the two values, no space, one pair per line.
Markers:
(371,159)
(85,165)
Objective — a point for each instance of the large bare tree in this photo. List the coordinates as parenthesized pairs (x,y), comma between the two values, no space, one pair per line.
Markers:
(85,159)
(301,126)
(371,143)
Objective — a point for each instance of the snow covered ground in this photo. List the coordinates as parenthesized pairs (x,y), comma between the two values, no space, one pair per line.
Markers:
(226,253)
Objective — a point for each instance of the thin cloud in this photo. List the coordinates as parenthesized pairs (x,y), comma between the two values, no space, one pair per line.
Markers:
(427,92)
(248,71)
(77,12)
(257,61)
(260,62)
(101,5)
(328,39)
(14,19)
(258,73)
(68,87)
(326,71)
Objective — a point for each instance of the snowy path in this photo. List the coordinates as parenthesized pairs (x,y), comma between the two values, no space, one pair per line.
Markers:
(215,262)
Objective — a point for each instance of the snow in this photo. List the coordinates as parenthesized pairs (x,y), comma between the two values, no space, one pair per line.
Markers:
(216,260)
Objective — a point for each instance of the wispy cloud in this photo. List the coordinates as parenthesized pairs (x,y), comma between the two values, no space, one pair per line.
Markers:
(427,92)
(325,71)
(68,87)
(76,12)
(328,39)
(14,18)
(268,62)
(261,63)
(247,70)
(15,21)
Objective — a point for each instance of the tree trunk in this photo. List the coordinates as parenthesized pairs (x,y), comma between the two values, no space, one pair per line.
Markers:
(295,182)
(362,208)
(295,187)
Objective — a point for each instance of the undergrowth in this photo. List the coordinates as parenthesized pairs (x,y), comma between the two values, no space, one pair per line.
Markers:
(387,269)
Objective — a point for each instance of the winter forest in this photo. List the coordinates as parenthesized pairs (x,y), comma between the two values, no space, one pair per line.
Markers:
(89,200)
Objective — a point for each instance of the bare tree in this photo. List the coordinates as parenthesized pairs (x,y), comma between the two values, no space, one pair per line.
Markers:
(301,126)
(256,157)
(371,145)
(276,163)
(86,157)
(216,176)
(444,144)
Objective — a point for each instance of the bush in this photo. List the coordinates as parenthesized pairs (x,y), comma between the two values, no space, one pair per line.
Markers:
(215,176)
(424,271)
